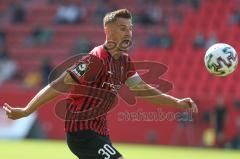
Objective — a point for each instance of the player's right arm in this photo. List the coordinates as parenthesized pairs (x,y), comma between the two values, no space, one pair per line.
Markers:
(49,92)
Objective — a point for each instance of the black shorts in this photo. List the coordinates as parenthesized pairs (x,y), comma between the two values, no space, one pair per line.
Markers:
(90,145)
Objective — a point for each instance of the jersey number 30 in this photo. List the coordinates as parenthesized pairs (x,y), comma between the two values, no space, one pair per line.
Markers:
(107,151)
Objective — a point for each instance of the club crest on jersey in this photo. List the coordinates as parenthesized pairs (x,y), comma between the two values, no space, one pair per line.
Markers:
(81,69)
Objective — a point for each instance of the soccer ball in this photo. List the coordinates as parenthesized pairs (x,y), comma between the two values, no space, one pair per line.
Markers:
(221,59)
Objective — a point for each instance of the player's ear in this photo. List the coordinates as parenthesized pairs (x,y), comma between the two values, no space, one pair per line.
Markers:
(106,30)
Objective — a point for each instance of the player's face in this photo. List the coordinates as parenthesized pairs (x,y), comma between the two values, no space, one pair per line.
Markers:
(121,33)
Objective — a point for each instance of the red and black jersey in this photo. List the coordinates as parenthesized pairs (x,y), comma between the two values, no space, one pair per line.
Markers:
(99,77)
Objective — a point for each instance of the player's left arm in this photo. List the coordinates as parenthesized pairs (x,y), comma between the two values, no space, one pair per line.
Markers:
(155,96)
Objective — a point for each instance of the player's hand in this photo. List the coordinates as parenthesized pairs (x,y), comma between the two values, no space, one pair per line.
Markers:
(14,113)
(187,103)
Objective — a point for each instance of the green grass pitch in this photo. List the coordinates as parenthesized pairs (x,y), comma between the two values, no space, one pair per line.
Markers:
(47,149)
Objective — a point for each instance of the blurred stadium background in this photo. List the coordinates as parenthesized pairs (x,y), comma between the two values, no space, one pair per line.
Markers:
(35,36)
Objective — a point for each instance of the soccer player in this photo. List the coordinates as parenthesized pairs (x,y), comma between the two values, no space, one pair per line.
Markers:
(103,71)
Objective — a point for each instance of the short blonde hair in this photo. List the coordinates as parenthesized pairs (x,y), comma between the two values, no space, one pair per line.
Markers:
(112,16)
